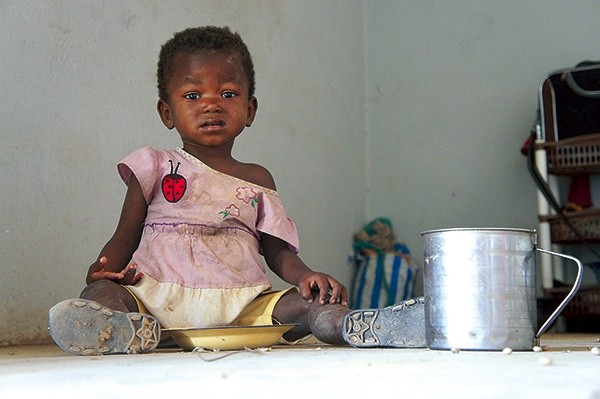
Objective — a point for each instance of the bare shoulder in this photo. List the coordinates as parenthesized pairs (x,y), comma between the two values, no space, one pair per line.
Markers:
(258,174)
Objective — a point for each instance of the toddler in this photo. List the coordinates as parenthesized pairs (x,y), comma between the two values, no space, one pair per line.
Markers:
(196,224)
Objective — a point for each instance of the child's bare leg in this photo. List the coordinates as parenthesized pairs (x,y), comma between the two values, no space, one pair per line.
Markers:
(325,322)
(110,294)
(398,326)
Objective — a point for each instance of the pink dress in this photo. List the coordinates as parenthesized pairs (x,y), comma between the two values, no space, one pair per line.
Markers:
(200,247)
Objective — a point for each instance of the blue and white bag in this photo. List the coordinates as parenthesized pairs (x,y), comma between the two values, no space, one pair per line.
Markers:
(383,278)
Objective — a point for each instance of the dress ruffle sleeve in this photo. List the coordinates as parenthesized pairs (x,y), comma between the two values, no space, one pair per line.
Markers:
(142,163)
(273,220)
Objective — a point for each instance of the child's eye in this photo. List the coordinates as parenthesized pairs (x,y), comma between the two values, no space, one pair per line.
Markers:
(228,94)
(192,96)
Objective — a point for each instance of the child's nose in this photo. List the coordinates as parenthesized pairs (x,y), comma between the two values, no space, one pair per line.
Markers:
(211,104)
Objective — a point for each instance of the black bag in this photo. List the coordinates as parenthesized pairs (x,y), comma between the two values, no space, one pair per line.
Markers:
(572,102)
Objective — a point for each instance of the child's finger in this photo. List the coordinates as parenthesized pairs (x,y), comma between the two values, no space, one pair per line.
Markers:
(324,292)
(335,295)
(335,291)
(136,278)
(98,265)
(344,297)
(132,267)
(305,291)
(339,294)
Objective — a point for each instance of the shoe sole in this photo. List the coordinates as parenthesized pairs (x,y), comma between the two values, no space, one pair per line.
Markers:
(399,326)
(84,327)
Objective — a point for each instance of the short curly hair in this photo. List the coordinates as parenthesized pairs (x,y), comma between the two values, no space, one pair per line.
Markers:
(193,40)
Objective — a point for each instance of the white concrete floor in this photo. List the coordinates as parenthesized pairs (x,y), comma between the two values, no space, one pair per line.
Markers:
(308,371)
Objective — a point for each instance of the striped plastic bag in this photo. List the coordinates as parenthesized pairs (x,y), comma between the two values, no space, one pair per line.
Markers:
(382,278)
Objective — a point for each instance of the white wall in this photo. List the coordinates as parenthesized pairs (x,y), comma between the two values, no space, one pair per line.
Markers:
(78,93)
(451,96)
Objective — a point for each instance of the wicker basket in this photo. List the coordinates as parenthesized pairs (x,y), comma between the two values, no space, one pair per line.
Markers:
(586,222)
(576,155)
(582,313)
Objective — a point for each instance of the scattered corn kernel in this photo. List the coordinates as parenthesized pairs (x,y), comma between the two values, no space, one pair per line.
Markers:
(545,361)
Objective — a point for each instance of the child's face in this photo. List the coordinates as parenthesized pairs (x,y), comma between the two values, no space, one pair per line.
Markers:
(208,100)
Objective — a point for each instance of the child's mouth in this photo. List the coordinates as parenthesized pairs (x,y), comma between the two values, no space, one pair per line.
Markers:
(212,123)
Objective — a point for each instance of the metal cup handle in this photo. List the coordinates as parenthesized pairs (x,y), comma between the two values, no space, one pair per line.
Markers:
(568,298)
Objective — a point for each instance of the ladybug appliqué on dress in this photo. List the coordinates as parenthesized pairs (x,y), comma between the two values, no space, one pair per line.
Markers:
(173,184)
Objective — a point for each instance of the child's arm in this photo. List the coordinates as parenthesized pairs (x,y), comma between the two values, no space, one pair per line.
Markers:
(113,262)
(286,264)
(291,269)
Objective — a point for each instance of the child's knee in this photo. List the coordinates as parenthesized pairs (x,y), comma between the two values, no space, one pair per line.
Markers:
(110,294)
(100,287)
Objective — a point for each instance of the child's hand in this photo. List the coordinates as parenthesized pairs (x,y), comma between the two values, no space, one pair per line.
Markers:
(327,288)
(127,276)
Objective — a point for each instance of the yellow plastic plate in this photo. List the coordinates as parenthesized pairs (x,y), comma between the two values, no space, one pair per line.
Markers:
(228,338)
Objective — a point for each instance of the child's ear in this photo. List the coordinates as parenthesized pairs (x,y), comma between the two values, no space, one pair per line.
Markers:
(252,107)
(165,114)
